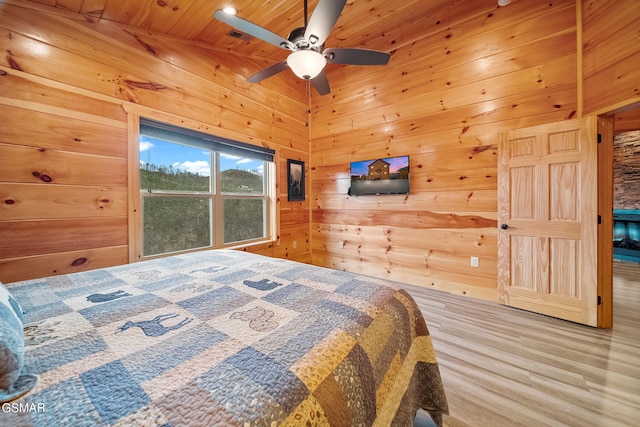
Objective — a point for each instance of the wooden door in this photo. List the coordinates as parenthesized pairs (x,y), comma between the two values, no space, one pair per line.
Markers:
(547,214)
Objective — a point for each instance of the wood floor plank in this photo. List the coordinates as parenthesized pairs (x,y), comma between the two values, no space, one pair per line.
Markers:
(508,367)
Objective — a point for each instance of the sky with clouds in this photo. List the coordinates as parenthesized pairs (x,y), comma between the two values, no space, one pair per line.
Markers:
(192,159)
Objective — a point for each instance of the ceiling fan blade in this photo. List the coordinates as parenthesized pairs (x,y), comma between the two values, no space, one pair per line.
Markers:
(322,20)
(253,29)
(356,56)
(321,83)
(268,72)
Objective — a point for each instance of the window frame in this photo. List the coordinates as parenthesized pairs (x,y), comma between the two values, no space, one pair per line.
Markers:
(215,195)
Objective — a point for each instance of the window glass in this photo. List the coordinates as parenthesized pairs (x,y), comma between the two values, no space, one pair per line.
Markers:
(166,166)
(200,191)
(241,175)
(243,219)
(173,224)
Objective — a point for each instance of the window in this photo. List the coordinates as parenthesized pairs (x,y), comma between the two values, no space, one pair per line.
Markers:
(201,191)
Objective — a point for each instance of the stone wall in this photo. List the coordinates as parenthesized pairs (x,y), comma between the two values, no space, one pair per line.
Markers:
(626,175)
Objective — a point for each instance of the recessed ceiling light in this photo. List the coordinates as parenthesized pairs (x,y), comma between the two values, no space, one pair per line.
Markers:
(503,2)
(230,10)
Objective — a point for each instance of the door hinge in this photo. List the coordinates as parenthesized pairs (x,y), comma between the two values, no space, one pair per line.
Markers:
(599,138)
(599,219)
(599,300)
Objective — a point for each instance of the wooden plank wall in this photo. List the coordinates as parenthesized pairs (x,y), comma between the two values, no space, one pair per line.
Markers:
(63,195)
(444,98)
(611,52)
(64,136)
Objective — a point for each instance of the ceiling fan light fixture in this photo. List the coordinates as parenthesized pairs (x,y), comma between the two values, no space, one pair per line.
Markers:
(230,10)
(306,64)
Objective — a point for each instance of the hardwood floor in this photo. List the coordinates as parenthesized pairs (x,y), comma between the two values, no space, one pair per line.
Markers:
(507,367)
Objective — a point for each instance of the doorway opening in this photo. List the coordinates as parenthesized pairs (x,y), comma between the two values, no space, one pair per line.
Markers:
(614,128)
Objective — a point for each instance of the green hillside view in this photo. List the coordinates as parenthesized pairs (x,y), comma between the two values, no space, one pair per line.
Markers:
(166,178)
(169,179)
(175,223)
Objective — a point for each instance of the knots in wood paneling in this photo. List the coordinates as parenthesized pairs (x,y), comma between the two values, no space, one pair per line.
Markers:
(78,262)
(43,177)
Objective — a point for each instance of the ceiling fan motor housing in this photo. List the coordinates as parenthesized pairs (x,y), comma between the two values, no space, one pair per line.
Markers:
(300,42)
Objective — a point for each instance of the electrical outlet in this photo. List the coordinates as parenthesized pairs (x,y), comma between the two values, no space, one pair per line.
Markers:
(340,244)
(295,244)
(474,261)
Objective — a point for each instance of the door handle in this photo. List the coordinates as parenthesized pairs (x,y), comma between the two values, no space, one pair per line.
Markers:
(504,226)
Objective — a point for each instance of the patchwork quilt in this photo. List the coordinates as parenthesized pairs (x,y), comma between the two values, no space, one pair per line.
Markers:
(224,338)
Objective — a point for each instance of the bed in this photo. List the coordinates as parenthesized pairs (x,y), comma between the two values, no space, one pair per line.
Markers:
(218,337)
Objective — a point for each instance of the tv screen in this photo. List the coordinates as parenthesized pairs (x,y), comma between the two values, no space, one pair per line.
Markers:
(389,175)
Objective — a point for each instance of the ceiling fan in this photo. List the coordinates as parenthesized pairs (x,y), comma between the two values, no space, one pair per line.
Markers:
(308,56)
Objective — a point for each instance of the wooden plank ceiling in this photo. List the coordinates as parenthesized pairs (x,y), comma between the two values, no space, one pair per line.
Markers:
(374,24)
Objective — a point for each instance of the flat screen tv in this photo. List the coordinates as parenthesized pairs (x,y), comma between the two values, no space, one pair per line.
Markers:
(389,175)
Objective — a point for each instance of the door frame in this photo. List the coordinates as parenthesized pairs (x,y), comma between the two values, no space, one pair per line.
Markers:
(606,127)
